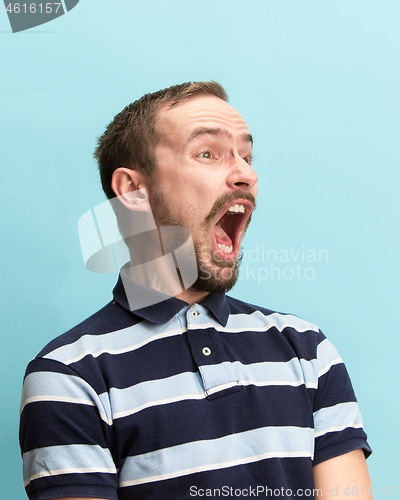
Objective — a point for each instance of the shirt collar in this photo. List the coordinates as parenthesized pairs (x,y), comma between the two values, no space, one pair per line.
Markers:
(164,308)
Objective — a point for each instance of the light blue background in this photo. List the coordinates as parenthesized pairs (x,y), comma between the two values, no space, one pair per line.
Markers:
(318,83)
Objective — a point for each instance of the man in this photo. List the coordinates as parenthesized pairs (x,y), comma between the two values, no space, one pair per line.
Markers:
(197,394)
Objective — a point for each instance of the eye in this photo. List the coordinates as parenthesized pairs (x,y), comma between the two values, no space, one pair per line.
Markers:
(206,154)
(248,159)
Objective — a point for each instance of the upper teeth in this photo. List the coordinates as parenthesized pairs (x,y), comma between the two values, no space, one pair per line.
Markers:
(236,209)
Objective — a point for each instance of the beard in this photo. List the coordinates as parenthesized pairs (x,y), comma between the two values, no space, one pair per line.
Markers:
(214,273)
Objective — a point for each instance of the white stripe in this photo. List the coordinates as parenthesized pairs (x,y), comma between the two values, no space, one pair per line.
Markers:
(354,425)
(62,399)
(221,387)
(217,466)
(85,470)
(160,402)
(326,368)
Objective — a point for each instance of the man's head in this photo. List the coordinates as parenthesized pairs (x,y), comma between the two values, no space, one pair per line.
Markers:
(197,174)
(131,138)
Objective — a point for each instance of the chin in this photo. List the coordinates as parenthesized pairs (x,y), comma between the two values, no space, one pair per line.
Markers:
(220,277)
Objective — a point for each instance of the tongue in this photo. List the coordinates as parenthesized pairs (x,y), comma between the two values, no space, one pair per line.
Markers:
(221,236)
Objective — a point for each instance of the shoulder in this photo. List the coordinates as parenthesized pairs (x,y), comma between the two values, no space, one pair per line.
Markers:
(301,334)
(76,354)
(279,319)
(284,322)
(111,318)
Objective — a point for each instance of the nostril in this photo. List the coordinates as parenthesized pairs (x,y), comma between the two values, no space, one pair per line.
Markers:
(241,184)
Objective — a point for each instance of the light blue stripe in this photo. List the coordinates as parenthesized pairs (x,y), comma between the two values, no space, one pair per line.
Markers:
(155,392)
(56,385)
(326,356)
(121,402)
(258,320)
(338,417)
(245,447)
(76,458)
(310,372)
(270,372)
(218,375)
(51,386)
(189,385)
(116,342)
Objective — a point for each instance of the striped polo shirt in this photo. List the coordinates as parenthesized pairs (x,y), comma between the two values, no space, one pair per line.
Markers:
(175,401)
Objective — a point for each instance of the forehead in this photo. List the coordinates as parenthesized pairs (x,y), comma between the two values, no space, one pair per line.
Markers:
(179,122)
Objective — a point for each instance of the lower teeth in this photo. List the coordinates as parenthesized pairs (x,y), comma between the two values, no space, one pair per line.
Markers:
(225,249)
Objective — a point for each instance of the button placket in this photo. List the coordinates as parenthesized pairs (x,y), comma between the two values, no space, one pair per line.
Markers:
(213,362)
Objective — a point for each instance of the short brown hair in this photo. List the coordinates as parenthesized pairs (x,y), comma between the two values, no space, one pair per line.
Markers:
(130,139)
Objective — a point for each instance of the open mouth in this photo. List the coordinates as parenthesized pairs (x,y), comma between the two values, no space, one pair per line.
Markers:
(229,227)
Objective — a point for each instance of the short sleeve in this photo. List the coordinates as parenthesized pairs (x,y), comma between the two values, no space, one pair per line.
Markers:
(338,424)
(65,435)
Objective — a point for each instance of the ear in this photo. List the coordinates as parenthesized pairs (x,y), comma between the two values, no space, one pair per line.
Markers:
(130,187)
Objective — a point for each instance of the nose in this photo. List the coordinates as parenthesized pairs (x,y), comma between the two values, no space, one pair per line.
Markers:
(242,176)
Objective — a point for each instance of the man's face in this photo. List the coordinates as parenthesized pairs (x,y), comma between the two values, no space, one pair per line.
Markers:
(204,182)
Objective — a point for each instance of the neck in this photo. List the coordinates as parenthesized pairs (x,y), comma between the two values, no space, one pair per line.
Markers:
(192,296)
(152,265)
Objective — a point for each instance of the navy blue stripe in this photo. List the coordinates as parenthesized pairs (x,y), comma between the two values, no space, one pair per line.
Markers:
(341,390)
(271,473)
(110,318)
(247,409)
(350,439)
(60,428)
(88,485)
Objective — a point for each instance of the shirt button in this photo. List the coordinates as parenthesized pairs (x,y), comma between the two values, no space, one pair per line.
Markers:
(195,313)
(206,351)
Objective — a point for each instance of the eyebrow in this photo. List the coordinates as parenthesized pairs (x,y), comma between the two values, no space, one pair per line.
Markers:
(246,137)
